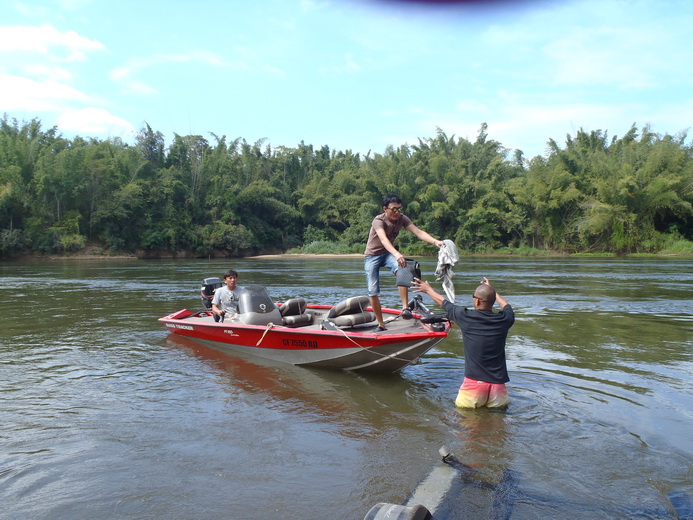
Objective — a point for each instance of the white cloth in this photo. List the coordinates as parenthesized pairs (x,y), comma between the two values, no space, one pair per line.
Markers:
(447,258)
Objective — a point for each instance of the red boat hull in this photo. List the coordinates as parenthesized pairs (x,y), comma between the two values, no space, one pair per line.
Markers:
(358,348)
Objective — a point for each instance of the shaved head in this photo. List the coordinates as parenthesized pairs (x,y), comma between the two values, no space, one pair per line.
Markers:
(486,293)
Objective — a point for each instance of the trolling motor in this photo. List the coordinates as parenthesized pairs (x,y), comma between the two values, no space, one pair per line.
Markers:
(417,304)
(428,317)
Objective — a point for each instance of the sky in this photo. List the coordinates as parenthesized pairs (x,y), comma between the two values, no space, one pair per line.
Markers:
(357,75)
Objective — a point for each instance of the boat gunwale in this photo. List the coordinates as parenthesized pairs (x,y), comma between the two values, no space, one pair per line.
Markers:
(387,337)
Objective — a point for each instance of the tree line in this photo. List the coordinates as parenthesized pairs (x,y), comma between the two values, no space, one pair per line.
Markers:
(211,196)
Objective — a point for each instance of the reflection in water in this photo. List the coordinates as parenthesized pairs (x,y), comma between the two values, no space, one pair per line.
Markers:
(303,390)
(363,405)
(484,433)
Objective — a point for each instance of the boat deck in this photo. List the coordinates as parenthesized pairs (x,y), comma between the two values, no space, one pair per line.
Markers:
(394,323)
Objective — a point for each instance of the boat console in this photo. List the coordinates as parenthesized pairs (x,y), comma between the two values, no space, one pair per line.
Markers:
(255,307)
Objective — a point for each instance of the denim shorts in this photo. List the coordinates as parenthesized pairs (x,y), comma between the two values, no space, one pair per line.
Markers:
(372,265)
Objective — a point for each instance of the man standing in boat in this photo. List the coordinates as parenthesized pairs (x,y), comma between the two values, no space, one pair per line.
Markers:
(225,301)
(380,252)
(484,333)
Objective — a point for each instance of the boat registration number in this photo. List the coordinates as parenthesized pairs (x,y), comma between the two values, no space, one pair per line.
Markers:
(300,343)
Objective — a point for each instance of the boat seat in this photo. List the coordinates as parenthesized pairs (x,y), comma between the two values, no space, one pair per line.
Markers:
(351,311)
(293,312)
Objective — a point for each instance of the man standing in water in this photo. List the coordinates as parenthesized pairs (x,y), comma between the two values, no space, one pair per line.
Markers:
(225,301)
(380,251)
(484,333)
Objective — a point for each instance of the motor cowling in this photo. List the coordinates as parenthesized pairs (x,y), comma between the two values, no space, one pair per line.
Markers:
(209,285)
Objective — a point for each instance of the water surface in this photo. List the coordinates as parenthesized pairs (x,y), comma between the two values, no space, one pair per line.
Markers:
(106,415)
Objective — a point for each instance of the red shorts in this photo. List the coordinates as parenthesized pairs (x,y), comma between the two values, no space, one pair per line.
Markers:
(475,394)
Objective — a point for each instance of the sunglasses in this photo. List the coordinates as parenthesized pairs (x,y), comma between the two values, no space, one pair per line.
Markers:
(480,299)
(397,210)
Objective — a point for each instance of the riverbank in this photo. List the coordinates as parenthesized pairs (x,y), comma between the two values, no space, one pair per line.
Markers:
(96,253)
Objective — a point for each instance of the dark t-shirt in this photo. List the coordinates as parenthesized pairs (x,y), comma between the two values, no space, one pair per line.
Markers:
(374,246)
(484,334)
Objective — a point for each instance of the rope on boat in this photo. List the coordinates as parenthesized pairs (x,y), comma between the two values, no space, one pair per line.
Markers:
(370,349)
(270,326)
(351,339)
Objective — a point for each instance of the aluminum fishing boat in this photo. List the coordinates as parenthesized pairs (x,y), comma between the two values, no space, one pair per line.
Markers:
(344,336)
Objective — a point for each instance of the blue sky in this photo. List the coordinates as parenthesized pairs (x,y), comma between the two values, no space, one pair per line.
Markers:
(351,74)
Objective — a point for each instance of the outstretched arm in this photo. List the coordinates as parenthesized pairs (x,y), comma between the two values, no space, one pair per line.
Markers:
(425,287)
(422,235)
(502,302)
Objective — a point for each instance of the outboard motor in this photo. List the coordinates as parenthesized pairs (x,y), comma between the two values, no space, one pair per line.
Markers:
(255,307)
(209,285)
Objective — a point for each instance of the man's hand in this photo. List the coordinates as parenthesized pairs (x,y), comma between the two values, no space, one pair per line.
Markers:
(425,287)
(420,286)
(502,302)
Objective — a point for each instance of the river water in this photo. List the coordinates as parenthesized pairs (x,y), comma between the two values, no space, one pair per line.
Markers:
(106,415)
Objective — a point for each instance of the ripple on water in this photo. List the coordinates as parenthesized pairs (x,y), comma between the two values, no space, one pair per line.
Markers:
(103,415)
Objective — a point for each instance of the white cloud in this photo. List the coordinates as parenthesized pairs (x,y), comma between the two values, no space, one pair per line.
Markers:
(32,11)
(32,82)
(139,88)
(45,40)
(603,56)
(347,65)
(73,5)
(123,75)
(91,121)
(58,74)
(25,94)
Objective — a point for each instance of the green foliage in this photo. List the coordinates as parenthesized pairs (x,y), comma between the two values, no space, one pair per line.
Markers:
(11,242)
(325,247)
(678,247)
(218,197)
(523,251)
(71,242)
(313,234)
(232,240)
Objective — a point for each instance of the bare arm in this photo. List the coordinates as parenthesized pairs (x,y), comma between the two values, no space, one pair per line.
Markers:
(422,235)
(425,287)
(388,245)
(502,302)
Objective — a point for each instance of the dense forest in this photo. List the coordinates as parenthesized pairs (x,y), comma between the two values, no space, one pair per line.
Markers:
(210,196)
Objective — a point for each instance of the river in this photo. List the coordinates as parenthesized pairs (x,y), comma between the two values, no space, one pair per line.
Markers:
(106,415)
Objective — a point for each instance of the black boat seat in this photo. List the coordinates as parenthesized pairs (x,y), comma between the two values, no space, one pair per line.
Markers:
(351,311)
(293,312)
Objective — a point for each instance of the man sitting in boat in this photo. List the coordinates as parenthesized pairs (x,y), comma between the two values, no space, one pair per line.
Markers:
(225,301)
(380,252)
